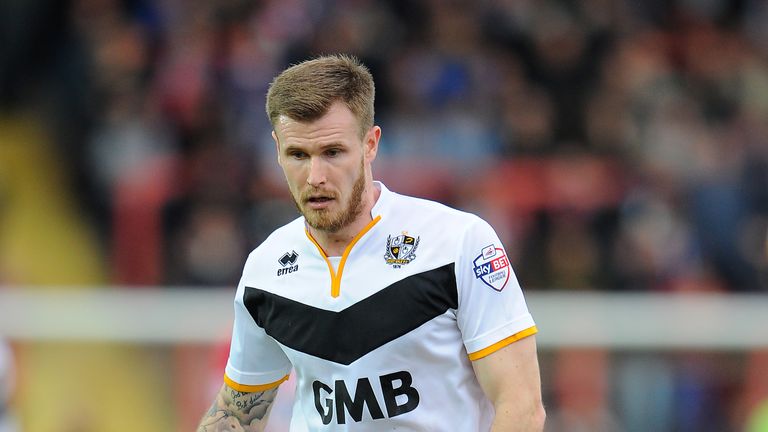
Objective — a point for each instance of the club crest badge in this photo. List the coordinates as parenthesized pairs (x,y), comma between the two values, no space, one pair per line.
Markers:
(401,250)
(492,267)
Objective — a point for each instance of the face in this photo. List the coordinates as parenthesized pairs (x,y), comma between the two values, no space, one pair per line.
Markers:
(327,166)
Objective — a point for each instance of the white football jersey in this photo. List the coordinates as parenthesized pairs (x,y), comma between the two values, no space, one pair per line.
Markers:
(382,338)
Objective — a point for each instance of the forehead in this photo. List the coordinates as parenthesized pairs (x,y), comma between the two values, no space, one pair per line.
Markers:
(338,124)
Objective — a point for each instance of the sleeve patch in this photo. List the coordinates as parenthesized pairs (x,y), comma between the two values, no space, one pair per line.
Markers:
(492,267)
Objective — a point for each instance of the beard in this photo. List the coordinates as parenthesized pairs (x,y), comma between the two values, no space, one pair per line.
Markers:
(332,221)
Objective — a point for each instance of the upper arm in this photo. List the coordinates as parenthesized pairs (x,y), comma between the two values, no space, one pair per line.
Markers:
(492,311)
(510,379)
(255,368)
(255,358)
(511,374)
(498,331)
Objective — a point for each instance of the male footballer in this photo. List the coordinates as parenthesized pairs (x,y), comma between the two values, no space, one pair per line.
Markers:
(395,313)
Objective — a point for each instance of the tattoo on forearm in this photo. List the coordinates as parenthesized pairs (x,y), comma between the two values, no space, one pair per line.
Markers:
(238,411)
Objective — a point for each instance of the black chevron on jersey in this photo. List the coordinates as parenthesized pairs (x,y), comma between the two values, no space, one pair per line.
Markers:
(361,328)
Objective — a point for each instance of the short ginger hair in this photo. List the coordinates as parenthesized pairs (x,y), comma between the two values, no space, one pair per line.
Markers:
(305,91)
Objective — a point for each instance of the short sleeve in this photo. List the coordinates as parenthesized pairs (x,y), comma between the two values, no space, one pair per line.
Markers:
(256,361)
(492,312)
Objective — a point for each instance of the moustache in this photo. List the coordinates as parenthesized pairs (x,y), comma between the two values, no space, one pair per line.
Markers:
(316,194)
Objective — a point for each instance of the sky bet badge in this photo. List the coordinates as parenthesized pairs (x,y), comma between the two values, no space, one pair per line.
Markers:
(401,250)
(492,267)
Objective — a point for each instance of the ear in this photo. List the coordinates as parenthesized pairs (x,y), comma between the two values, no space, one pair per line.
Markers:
(277,147)
(371,143)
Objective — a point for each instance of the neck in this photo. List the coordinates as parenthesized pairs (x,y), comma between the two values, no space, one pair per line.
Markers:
(334,243)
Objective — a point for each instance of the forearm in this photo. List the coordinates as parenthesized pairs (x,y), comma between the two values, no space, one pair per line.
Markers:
(237,411)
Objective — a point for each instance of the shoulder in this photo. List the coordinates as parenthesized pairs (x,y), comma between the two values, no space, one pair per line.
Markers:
(276,242)
(437,215)
(443,233)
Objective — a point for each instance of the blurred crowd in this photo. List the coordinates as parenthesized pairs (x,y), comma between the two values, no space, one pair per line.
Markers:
(614,145)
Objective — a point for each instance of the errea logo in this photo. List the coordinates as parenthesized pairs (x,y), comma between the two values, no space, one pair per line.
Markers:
(288,262)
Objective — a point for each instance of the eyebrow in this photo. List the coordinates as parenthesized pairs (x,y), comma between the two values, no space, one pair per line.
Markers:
(321,147)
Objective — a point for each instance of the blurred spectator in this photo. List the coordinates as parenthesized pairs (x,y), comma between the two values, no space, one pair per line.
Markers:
(581,386)
(698,399)
(646,393)
(208,247)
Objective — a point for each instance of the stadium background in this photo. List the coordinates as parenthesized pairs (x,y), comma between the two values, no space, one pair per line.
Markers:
(616,146)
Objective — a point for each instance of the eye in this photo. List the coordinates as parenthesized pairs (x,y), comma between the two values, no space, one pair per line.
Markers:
(297,154)
(333,152)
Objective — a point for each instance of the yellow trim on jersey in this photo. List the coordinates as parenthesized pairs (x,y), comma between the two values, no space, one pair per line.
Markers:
(502,343)
(252,388)
(336,275)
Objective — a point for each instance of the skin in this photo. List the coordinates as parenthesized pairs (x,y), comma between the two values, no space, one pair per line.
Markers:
(235,411)
(327,165)
(510,379)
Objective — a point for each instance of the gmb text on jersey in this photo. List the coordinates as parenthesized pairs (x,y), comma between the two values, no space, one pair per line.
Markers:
(399,397)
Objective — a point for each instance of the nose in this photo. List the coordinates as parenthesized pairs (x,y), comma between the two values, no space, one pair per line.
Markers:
(316,176)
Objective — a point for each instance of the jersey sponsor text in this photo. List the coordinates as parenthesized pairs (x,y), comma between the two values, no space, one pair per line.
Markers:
(400,397)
